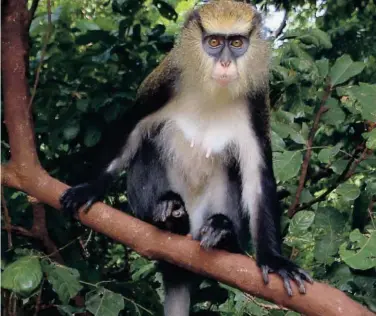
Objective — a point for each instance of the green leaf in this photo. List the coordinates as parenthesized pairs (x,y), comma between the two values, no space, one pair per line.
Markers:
(82,104)
(323,67)
(326,155)
(22,276)
(323,38)
(371,139)
(360,252)
(348,191)
(92,136)
(339,166)
(366,95)
(287,164)
(71,131)
(102,302)
(329,224)
(335,115)
(68,310)
(344,69)
(278,143)
(301,222)
(64,280)
(85,25)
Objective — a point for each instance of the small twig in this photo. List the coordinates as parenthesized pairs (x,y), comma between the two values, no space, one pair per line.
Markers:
(20,231)
(308,153)
(362,157)
(7,219)
(282,26)
(43,53)
(265,306)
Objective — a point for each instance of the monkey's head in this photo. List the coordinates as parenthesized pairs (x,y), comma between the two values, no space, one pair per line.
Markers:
(221,49)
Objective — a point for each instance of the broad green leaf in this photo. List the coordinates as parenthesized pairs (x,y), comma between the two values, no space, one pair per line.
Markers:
(323,67)
(102,302)
(301,222)
(335,115)
(323,38)
(287,164)
(360,252)
(278,143)
(69,310)
(22,276)
(64,280)
(327,154)
(339,166)
(85,25)
(300,241)
(71,131)
(329,224)
(366,95)
(344,69)
(348,191)
(371,139)
(92,136)
(82,105)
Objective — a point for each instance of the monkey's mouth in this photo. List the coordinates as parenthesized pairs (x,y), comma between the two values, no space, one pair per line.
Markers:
(224,80)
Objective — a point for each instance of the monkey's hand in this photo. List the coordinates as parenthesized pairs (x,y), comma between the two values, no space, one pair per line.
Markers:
(218,232)
(73,198)
(286,269)
(171,215)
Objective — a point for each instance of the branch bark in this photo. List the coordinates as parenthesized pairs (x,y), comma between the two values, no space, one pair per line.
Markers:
(25,173)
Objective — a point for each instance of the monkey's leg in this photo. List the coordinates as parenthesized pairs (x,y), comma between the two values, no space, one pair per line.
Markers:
(150,194)
(222,222)
(152,199)
(268,241)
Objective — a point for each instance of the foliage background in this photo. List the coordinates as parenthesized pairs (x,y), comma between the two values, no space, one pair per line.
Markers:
(96,55)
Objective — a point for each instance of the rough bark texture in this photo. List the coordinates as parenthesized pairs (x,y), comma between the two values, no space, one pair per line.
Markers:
(25,173)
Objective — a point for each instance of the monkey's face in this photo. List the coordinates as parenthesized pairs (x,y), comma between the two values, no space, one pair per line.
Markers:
(224,51)
(221,51)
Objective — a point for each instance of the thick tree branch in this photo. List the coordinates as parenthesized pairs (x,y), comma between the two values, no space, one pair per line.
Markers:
(322,109)
(25,173)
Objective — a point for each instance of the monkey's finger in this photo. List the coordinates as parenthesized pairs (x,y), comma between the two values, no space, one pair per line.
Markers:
(300,282)
(265,274)
(305,275)
(88,205)
(286,281)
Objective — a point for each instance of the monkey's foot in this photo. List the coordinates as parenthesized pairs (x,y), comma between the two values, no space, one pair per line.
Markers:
(73,198)
(171,215)
(218,231)
(288,271)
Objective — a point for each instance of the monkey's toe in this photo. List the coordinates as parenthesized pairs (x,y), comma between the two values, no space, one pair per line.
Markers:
(288,271)
(167,209)
(171,215)
(218,232)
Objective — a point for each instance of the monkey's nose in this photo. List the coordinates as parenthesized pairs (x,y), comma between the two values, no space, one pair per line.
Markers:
(225,63)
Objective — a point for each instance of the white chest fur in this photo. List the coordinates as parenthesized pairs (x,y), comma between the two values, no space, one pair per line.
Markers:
(211,126)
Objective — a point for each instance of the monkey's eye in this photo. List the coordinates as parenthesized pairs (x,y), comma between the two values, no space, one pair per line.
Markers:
(237,43)
(214,41)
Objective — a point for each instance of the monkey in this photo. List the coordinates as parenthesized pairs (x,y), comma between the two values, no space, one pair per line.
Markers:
(198,155)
